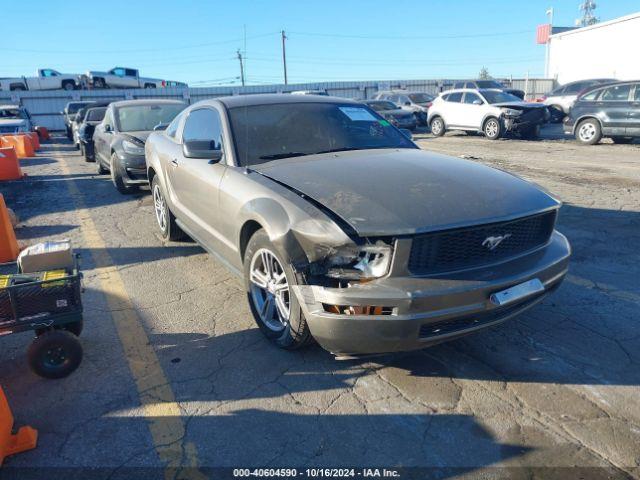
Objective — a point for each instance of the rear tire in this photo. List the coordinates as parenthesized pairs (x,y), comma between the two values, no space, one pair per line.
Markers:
(55,354)
(492,128)
(589,132)
(118,181)
(169,230)
(68,86)
(437,126)
(269,303)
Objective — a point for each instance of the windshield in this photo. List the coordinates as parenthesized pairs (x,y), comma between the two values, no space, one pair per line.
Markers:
(96,114)
(496,96)
(382,106)
(488,84)
(144,117)
(421,97)
(75,106)
(268,132)
(11,113)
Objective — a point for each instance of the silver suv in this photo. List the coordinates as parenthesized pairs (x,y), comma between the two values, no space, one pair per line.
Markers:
(416,102)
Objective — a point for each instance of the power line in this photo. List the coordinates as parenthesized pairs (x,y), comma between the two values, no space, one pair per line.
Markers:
(156,49)
(411,37)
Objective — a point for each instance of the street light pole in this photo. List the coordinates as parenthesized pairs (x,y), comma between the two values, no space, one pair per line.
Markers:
(284,57)
(547,53)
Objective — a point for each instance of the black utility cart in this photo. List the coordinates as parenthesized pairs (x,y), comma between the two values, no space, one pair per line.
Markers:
(49,304)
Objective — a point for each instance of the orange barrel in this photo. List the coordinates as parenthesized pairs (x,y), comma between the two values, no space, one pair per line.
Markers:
(9,165)
(34,140)
(9,249)
(22,144)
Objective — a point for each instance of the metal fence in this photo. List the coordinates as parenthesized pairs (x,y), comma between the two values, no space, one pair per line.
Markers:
(45,106)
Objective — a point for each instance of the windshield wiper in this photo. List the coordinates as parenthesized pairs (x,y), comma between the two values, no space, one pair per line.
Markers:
(276,156)
(348,149)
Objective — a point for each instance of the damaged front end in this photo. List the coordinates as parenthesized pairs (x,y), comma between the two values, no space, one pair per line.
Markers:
(518,119)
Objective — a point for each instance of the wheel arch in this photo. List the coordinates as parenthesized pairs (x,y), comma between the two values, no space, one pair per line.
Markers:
(582,118)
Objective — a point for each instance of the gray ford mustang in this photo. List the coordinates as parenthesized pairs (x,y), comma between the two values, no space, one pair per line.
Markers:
(344,230)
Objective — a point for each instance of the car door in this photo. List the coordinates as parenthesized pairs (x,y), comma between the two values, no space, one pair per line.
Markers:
(633,126)
(471,111)
(119,78)
(614,105)
(451,111)
(195,181)
(102,138)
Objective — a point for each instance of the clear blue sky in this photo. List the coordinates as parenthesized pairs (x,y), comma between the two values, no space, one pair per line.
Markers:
(196,41)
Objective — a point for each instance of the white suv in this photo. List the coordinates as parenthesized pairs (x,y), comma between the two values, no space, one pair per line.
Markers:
(490,111)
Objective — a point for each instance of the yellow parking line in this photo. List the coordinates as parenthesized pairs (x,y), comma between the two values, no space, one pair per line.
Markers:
(158,402)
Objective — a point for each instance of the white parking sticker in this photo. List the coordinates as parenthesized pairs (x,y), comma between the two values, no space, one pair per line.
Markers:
(358,114)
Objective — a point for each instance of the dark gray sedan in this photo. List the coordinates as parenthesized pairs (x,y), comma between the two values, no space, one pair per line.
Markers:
(119,139)
(344,230)
(394,114)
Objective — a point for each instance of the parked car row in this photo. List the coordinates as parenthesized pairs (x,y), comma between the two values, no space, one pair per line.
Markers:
(118,77)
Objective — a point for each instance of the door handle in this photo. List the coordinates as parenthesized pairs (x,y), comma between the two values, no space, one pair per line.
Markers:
(174,162)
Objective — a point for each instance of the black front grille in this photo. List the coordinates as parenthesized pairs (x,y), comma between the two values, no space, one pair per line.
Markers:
(463,248)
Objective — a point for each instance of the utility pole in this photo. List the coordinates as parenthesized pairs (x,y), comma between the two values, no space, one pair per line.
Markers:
(241,67)
(546,52)
(284,57)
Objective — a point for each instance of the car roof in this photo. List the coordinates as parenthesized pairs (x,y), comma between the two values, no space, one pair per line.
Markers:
(147,101)
(272,99)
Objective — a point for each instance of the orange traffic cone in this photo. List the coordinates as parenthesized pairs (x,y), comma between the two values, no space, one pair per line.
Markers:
(9,164)
(25,439)
(9,249)
(22,144)
(43,133)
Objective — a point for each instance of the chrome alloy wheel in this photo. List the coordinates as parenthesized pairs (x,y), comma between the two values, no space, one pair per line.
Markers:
(160,208)
(587,132)
(491,128)
(269,290)
(436,126)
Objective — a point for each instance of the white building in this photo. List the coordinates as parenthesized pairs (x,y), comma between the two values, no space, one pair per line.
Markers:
(604,50)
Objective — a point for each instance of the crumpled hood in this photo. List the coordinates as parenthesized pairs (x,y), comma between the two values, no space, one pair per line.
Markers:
(519,105)
(406,191)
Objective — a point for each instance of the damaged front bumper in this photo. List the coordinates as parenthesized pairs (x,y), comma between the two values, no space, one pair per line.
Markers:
(399,313)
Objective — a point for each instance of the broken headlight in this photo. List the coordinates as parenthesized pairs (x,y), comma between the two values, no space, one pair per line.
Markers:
(360,262)
(510,112)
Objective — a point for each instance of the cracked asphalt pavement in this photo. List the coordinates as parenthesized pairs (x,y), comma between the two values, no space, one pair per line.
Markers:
(556,387)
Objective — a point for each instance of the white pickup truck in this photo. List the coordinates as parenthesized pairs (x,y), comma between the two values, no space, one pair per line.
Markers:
(47,79)
(121,77)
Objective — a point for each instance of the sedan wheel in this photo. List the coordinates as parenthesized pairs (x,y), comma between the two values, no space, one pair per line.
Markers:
(275,308)
(269,290)
(588,132)
(437,127)
(160,207)
(169,229)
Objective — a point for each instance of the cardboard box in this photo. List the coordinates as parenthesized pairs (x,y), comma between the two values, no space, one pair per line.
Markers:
(46,256)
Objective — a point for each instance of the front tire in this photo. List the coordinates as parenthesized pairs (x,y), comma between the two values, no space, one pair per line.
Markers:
(589,132)
(116,178)
(55,354)
(437,127)
(492,128)
(169,230)
(274,306)
(68,86)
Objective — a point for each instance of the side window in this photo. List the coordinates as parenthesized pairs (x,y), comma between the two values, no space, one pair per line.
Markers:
(403,99)
(619,93)
(48,73)
(203,125)
(458,85)
(118,71)
(557,92)
(455,97)
(445,97)
(575,88)
(591,96)
(130,72)
(470,85)
(636,97)
(172,129)
(395,99)
(470,97)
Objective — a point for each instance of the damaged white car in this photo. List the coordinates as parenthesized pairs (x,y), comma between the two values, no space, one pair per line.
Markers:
(344,230)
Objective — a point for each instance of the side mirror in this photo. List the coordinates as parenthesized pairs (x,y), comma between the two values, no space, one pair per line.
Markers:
(108,128)
(407,133)
(201,149)
(477,102)
(160,126)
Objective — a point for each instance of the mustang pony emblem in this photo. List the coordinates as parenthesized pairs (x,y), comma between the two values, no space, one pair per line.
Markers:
(492,242)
